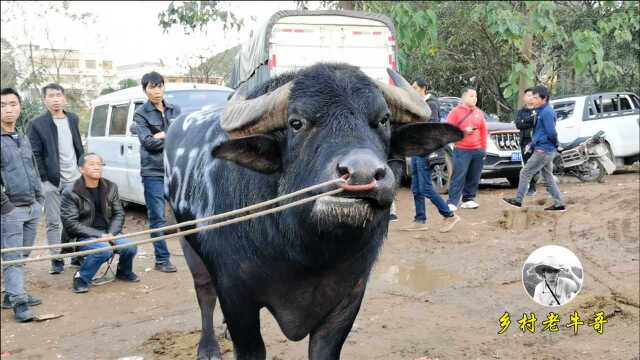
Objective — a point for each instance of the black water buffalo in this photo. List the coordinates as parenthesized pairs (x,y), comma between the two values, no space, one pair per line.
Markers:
(308,265)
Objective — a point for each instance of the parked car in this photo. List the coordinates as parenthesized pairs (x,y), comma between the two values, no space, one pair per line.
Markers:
(503,159)
(111,137)
(294,39)
(615,113)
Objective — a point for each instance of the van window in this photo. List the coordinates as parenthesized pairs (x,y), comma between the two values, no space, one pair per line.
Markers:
(99,120)
(564,109)
(118,123)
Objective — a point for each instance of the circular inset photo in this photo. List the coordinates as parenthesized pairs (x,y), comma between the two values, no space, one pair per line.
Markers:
(552,275)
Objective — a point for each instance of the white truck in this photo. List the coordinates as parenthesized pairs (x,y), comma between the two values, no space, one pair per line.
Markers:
(615,113)
(294,39)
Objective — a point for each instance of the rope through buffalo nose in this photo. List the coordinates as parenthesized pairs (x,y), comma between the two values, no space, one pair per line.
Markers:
(356,188)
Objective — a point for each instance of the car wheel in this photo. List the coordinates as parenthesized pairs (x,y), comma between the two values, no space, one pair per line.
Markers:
(441,174)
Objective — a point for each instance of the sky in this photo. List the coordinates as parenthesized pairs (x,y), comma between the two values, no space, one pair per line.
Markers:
(128,32)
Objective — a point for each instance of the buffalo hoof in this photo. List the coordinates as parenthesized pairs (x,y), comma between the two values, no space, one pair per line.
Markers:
(208,351)
(209,356)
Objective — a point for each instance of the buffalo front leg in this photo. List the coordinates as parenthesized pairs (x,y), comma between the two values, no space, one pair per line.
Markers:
(327,338)
(205,292)
(243,321)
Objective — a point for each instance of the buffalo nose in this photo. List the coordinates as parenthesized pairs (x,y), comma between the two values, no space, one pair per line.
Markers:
(361,168)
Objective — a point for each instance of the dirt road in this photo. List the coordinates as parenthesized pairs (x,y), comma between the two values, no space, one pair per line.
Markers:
(431,295)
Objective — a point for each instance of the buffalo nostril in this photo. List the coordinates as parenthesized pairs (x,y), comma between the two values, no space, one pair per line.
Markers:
(380,173)
(343,170)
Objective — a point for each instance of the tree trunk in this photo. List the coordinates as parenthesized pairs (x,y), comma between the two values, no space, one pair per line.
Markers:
(347,5)
(526,53)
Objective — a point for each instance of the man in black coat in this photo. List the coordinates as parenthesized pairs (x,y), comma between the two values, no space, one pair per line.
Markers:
(525,121)
(91,209)
(57,146)
(151,122)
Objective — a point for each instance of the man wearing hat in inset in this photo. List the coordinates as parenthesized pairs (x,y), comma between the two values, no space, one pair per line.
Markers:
(559,284)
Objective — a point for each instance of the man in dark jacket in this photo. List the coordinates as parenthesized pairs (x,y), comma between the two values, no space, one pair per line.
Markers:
(91,209)
(421,180)
(21,200)
(525,120)
(57,146)
(544,145)
(151,123)
(420,85)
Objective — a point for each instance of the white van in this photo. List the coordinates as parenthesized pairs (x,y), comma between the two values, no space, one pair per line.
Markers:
(615,113)
(110,136)
(294,39)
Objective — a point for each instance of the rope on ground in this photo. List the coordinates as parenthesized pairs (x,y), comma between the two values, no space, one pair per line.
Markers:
(172,236)
(175,226)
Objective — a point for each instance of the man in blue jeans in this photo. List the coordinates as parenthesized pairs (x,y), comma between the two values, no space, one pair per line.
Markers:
(21,204)
(91,209)
(422,187)
(544,144)
(151,122)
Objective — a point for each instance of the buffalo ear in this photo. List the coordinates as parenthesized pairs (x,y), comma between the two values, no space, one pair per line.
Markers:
(257,152)
(422,138)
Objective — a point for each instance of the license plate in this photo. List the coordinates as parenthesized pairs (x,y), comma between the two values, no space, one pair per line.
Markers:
(516,156)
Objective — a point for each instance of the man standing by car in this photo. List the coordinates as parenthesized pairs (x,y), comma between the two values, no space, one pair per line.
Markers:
(151,121)
(21,204)
(543,144)
(57,146)
(525,120)
(420,85)
(421,182)
(468,153)
(91,209)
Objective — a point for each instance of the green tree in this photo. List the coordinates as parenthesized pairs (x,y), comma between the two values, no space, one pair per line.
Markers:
(126,83)
(502,47)
(106,91)
(196,15)
(30,108)
(8,65)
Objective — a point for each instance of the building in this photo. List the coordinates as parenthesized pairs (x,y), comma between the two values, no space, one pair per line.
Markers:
(80,73)
(170,74)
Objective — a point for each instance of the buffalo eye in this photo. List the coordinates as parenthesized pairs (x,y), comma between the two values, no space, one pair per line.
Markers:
(296,124)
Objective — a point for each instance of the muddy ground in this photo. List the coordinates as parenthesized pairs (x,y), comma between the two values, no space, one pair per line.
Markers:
(431,295)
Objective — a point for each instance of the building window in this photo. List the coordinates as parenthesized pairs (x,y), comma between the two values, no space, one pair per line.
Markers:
(48,62)
(107,65)
(71,64)
(90,64)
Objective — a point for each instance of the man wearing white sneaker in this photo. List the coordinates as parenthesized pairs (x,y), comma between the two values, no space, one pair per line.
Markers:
(469,153)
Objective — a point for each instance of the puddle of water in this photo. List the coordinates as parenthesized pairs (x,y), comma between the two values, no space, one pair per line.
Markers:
(412,275)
